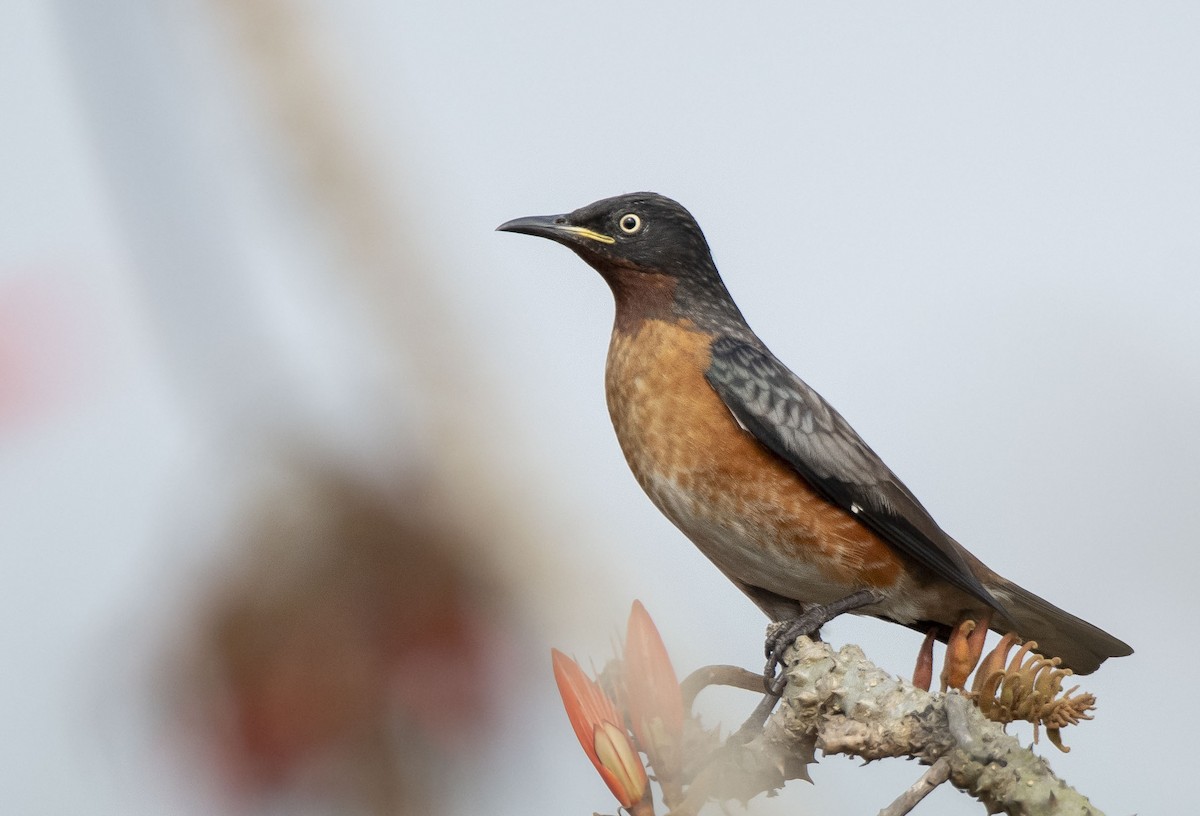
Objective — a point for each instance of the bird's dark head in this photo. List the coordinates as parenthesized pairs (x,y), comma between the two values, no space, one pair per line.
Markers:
(641,233)
(652,254)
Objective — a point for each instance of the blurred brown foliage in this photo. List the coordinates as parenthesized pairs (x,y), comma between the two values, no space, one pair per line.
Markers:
(345,645)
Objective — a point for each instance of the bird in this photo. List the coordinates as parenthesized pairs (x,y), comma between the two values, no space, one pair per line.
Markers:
(763,475)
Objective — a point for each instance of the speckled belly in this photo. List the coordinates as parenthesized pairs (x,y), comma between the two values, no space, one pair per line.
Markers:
(744,507)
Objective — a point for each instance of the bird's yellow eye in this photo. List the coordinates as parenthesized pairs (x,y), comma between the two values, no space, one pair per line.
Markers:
(630,223)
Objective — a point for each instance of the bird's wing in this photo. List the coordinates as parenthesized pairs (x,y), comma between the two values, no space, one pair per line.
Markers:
(793,421)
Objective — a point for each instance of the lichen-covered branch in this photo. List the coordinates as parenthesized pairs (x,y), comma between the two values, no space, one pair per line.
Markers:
(841,703)
(835,701)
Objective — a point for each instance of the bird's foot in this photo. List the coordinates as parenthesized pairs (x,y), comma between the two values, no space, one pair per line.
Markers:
(784,633)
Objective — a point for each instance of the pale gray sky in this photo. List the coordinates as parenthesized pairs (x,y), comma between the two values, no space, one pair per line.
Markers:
(972,227)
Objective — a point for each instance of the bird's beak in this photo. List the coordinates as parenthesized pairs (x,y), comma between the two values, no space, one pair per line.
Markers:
(556,228)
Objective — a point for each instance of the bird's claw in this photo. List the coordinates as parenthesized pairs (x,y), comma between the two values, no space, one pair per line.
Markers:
(780,637)
(783,634)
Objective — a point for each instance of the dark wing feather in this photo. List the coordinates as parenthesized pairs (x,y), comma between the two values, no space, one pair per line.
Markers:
(794,422)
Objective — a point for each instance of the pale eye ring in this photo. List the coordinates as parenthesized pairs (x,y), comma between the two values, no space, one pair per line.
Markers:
(629,223)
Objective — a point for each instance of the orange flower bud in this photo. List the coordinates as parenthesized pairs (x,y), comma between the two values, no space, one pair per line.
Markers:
(958,661)
(626,776)
(599,730)
(923,671)
(653,701)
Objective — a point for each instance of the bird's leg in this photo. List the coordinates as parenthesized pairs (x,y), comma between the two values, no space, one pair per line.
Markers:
(813,618)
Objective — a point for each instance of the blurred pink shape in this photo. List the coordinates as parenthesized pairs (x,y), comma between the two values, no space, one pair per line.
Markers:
(40,348)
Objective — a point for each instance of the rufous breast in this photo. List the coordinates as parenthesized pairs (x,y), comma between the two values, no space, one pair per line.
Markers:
(743,506)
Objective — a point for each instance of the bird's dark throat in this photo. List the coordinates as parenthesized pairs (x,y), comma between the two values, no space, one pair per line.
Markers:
(640,296)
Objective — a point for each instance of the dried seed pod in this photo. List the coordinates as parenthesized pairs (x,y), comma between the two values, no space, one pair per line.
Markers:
(1029,689)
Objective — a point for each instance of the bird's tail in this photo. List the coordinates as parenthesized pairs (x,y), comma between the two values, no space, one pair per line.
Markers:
(1081,646)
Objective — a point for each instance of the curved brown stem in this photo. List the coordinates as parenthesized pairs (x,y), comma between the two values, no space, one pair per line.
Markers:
(717,675)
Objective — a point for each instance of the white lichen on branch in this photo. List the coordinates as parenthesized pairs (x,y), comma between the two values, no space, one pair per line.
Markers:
(837,702)
(841,703)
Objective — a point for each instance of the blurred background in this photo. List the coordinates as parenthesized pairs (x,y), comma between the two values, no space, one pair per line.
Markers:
(303,468)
